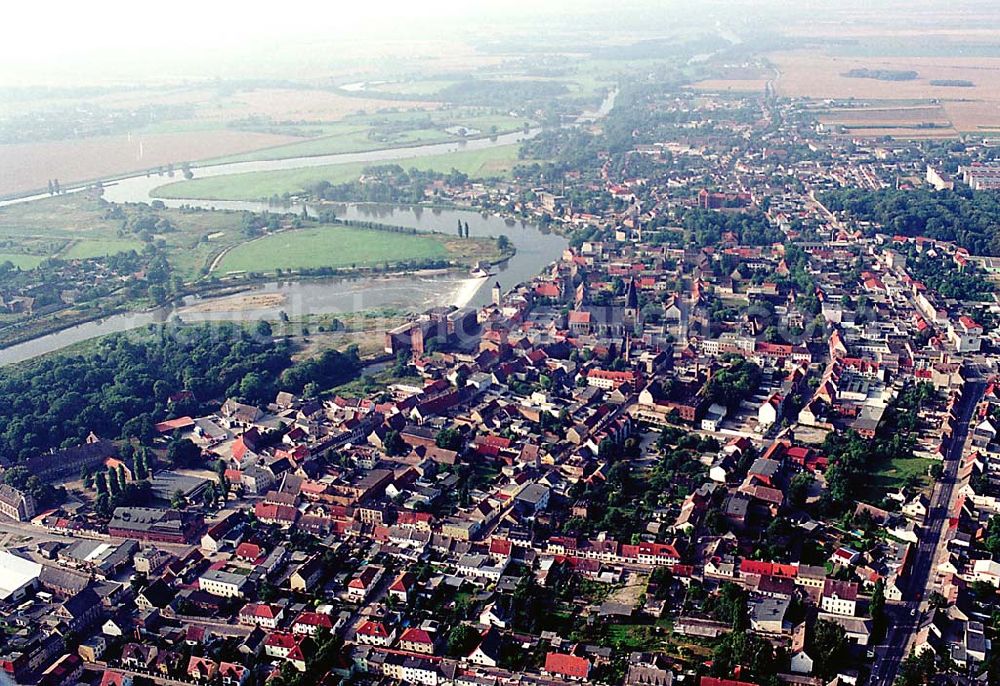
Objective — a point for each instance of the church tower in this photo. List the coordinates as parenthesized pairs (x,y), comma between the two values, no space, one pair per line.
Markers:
(496,294)
(631,301)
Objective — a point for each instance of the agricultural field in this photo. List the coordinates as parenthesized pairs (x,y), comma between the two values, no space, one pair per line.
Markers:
(83,250)
(21,260)
(496,161)
(197,124)
(341,247)
(28,167)
(750,77)
(907,121)
(902,132)
(148,127)
(389,130)
(878,115)
(299,105)
(816,74)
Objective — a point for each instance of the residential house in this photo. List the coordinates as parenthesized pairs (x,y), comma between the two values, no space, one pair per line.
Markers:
(840,597)
(567,666)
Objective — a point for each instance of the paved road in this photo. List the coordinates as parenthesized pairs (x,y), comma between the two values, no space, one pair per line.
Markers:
(889,654)
(920,582)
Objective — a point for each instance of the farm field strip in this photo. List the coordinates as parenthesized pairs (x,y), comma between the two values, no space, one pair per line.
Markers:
(814,74)
(385,131)
(29,166)
(85,249)
(21,260)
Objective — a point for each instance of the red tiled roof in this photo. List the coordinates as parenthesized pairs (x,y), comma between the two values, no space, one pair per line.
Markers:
(567,665)
(846,590)
(364,578)
(370,628)
(314,619)
(613,376)
(259,610)
(712,681)
(416,635)
(768,568)
(282,513)
(231,669)
(968,322)
(173,424)
(500,546)
(113,678)
(407,517)
(403,582)
(248,551)
(281,639)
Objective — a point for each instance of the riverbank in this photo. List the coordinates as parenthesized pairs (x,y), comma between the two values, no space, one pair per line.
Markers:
(236,303)
(267,183)
(316,148)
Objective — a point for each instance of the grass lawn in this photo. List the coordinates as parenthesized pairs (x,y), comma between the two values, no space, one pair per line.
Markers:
(363,385)
(496,161)
(891,475)
(330,246)
(632,637)
(21,260)
(82,250)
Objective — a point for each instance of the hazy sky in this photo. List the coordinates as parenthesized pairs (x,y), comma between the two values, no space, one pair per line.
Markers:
(48,41)
(60,42)
(41,41)
(44,30)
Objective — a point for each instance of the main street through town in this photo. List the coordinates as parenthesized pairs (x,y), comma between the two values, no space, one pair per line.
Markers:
(919,583)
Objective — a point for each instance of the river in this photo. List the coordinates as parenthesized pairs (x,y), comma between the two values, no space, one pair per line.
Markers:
(536,249)
(414,292)
(140,188)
